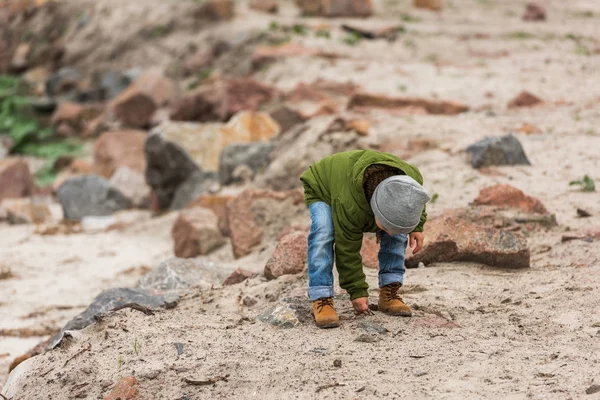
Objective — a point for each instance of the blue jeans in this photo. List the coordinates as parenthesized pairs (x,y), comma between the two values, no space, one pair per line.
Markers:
(320,254)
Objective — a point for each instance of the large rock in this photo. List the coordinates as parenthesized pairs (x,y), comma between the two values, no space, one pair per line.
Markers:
(179,274)
(221,100)
(262,214)
(120,149)
(454,238)
(509,196)
(218,204)
(336,8)
(90,195)
(133,108)
(205,142)
(15,179)
(168,167)
(253,155)
(289,257)
(497,150)
(525,99)
(196,232)
(107,301)
(418,105)
(132,184)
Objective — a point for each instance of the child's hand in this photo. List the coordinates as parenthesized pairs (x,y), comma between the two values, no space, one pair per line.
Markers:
(416,241)
(361,305)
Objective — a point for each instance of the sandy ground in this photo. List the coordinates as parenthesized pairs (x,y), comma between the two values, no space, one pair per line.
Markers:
(519,334)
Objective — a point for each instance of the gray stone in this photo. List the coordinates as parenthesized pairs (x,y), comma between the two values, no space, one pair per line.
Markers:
(105,302)
(497,150)
(63,82)
(90,195)
(168,167)
(281,315)
(193,187)
(371,327)
(132,184)
(593,389)
(253,155)
(112,83)
(178,274)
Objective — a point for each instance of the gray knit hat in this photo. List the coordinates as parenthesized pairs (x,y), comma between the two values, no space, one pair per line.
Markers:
(398,202)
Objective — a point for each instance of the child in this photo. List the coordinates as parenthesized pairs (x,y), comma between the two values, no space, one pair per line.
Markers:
(348,194)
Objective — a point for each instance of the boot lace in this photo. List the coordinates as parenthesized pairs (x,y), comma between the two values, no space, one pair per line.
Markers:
(325,301)
(392,292)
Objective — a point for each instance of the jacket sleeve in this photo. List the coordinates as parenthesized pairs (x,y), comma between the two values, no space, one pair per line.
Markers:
(348,242)
(421,225)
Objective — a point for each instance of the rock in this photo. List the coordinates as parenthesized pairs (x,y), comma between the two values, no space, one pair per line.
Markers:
(161,89)
(497,150)
(286,117)
(75,168)
(370,252)
(337,363)
(261,214)
(19,377)
(221,100)
(336,8)
(281,315)
(90,195)
(371,327)
(534,12)
(249,301)
(360,126)
(525,99)
(133,108)
(168,166)
(179,274)
(66,81)
(124,390)
(113,83)
(581,213)
(20,59)
(290,256)
(452,237)
(238,276)
(253,155)
(418,373)
(196,185)
(593,389)
(196,232)
(70,118)
(15,179)
(509,196)
(218,204)
(437,107)
(120,149)
(434,5)
(105,302)
(31,211)
(132,184)
(368,338)
(267,6)
(215,10)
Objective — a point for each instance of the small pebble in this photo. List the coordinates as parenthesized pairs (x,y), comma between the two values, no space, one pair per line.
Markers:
(421,265)
(337,363)
(593,389)
(419,373)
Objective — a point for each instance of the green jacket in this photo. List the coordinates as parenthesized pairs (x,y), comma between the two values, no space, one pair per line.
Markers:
(337,180)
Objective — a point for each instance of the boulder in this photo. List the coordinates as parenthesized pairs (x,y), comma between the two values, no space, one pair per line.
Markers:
(497,150)
(253,155)
(179,274)
(221,100)
(168,167)
(434,5)
(525,99)
(267,6)
(290,256)
(107,301)
(90,195)
(196,232)
(437,107)
(238,276)
(205,142)
(218,204)
(15,179)
(534,12)
(133,108)
(451,238)
(31,211)
(262,214)
(120,149)
(336,8)
(132,184)
(509,196)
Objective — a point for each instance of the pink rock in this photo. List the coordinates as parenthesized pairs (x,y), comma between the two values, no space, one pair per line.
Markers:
(238,276)
(134,108)
(15,179)
(525,99)
(509,196)
(120,149)
(289,257)
(196,232)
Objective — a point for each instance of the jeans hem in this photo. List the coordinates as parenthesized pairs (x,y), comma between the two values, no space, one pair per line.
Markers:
(387,278)
(318,292)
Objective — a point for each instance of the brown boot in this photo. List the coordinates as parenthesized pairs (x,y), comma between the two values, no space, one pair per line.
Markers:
(391,303)
(325,315)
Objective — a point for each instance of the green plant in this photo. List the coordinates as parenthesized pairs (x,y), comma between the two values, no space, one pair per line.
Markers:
(274,26)
(120,362)
(520,35)
(584,14)
(582,50)
(402,88)
(434,198)
(410,43)
(298,29)
(409,18)
(137,346)
(352,39)
(587,184)
(323,33)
